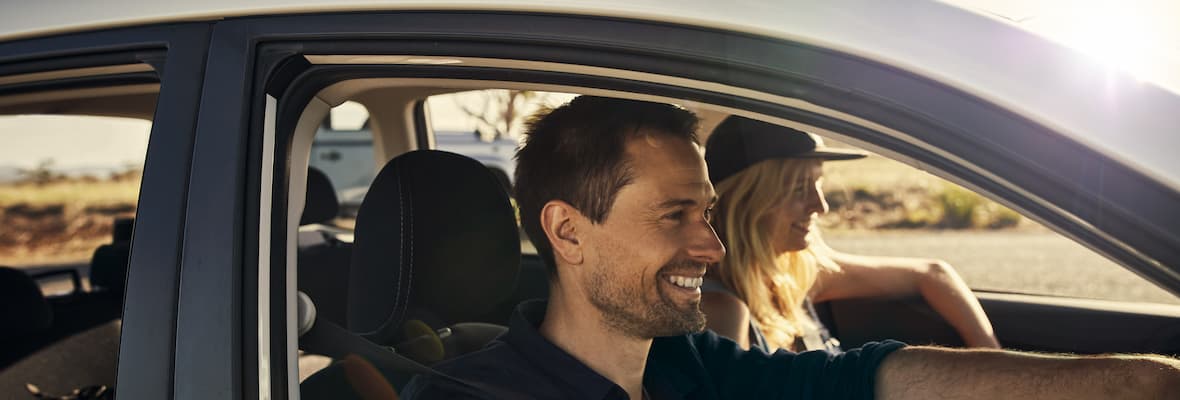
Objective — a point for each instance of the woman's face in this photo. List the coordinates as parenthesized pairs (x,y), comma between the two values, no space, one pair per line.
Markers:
(790,220)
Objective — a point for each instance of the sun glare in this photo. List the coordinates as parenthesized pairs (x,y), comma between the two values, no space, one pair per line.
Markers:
(1116,36)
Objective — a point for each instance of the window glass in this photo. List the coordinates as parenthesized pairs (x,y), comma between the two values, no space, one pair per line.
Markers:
(883,207)
(343,150)
(69,188)
(488,125)
(64,182)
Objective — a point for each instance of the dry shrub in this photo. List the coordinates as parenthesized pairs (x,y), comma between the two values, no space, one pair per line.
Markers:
(63,220)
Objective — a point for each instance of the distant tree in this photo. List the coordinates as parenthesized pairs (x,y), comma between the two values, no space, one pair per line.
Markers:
(500,112)
(129,171)
(41,174)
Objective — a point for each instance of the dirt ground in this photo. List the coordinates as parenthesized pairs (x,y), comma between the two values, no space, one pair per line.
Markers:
(1038,262)
(55,234)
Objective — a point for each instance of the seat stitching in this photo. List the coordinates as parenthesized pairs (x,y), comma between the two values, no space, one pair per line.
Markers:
(401,243)
(410,264)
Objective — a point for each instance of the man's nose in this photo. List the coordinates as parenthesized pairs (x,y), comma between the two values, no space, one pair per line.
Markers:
(705,246)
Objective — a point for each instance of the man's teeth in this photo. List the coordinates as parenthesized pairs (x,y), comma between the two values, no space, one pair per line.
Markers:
(686,282)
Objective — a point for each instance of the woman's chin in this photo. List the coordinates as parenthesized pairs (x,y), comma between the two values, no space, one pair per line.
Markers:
(791,247)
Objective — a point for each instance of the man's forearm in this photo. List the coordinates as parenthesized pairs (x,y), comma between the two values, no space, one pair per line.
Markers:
(927,372)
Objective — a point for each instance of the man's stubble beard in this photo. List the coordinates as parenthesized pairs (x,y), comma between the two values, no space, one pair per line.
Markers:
(624,308)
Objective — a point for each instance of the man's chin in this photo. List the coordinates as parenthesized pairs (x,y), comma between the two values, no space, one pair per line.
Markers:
(679,318)
(685,323)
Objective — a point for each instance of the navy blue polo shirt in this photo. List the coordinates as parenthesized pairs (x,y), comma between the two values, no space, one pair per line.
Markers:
(522,364)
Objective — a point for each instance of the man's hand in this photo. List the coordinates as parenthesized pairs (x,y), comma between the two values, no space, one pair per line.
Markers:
(938,373)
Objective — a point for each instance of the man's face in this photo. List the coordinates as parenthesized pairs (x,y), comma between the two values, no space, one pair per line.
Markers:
(645,261)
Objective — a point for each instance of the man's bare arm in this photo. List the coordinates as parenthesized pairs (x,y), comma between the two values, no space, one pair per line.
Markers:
(939,373)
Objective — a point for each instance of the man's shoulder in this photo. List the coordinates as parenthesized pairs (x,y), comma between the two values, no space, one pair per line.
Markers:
(494,363)
(694,344)
(494,372)
(494,359)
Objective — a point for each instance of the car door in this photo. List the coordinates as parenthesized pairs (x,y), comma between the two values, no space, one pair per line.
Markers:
(98,73)
(288,63)
(1027,318)
(210,301)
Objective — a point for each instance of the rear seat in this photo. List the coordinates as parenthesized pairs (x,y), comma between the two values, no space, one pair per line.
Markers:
(62,343)
(42,348)
(65,342)
(26,316)
(108,266)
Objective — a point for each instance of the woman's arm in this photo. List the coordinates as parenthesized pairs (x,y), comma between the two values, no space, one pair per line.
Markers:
(935,280)
(728,316)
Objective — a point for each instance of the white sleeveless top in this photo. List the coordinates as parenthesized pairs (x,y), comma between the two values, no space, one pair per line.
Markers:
(815,335)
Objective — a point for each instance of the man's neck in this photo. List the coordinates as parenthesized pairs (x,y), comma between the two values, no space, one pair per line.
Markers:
(578,328)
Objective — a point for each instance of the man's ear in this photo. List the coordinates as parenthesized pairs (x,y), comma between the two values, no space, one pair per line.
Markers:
(560,221)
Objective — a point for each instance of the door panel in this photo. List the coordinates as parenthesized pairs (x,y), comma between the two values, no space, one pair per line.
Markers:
(1024,322)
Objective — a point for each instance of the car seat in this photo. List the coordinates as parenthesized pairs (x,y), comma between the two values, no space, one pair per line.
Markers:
(435,243)
(26,314)
(34,350)
(108,269)
(323,261)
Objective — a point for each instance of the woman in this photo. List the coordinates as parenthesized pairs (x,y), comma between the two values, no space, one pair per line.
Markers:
(768,180)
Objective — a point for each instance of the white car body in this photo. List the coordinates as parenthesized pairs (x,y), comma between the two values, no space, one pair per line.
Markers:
(1044,81)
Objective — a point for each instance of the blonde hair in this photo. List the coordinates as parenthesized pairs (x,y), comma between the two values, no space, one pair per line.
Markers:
(772,286)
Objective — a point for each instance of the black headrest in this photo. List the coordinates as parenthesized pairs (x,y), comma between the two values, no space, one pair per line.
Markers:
(435,232)
(121,230)
(321,205)
(25,309)
(108,266)
(501,177)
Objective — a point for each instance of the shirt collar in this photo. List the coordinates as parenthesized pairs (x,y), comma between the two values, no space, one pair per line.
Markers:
(524,337)
(664,377)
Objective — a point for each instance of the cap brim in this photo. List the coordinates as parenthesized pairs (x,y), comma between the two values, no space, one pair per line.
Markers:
(829,154)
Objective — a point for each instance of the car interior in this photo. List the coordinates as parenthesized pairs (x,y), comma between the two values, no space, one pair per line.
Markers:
(434,265)
(1022,321)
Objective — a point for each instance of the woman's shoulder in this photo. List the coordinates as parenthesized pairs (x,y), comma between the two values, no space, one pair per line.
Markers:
(716,298)
(709,285)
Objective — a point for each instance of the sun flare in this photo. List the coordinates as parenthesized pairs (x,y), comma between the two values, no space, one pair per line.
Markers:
(1119,37)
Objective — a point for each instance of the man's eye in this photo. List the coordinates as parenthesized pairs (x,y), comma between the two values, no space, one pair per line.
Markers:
(676,216)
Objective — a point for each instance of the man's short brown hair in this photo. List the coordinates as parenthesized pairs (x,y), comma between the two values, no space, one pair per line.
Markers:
(575,153)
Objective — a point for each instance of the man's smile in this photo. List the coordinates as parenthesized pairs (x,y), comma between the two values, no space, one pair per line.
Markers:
(685,281)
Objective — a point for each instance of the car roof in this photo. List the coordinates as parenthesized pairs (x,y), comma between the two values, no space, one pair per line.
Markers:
(1060,88)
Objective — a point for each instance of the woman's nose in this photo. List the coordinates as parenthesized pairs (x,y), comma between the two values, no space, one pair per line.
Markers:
(818,203)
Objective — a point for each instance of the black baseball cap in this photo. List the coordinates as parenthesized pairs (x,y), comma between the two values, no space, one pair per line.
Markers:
(740,142)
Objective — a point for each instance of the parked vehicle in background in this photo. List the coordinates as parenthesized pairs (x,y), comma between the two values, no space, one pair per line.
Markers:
(346,157)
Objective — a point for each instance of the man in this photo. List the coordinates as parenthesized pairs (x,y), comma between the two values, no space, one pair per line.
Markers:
(616,197)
